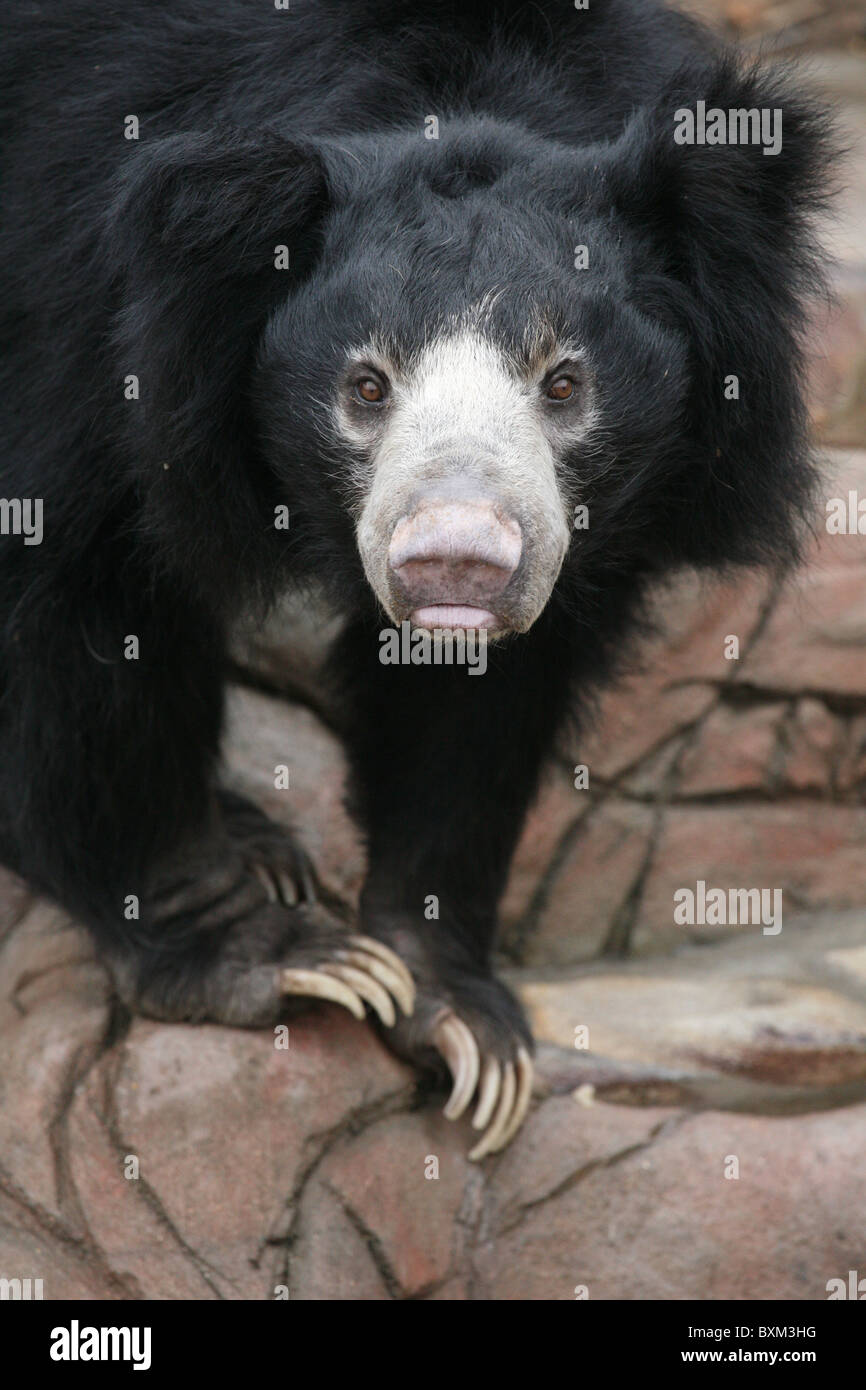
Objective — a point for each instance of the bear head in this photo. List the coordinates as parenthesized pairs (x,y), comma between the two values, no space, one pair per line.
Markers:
(486,373)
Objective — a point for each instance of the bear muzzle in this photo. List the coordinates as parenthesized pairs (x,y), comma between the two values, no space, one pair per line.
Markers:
(451,562)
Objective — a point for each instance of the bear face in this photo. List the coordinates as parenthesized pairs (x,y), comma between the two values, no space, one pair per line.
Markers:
(461,397)
(399,375)
(462,382)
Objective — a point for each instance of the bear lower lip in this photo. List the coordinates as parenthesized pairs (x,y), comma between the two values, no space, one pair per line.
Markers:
(454,616)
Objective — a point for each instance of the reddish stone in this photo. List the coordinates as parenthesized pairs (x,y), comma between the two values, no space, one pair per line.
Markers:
(559,806)
(837,363)
(53,1017)
(814,743)
(851,771)
(812,851)
(416,1222)
(329,1257)
(678,670)
(734,752)
(223,1122)
(264,733)
(584,898)
(658,1219)
(815,639)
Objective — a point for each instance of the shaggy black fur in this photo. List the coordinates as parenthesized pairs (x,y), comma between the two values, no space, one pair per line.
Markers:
(260,127)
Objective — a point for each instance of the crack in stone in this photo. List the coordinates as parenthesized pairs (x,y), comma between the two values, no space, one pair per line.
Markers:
(468,1219)
(619,938)
(26,978)
(746,694)
(109,1119)
(747,796)
(82,1246)
(514,942)
(68,1198)
(349,1126)
(572,1180)
(373,1245)
(23,899)
(80,1067)
(518,936)
(479,1284)
(617,943)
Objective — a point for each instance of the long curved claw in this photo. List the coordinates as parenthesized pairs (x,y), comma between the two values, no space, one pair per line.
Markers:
(491,1140)
(504,1090)
(307,879)
(394,981)
(387,957)
(525,1073)
(457,1044)
(267,882)
(368,988)
(488,1092)
(287,887)
(277,883)
(317,985)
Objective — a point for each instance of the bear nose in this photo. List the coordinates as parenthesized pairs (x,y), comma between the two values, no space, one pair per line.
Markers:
(453,559)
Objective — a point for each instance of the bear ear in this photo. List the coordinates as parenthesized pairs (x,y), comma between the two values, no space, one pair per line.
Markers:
(206,234)
(734,229)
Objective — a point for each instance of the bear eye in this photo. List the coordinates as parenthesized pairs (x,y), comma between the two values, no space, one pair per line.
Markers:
(561,388)
(369,390)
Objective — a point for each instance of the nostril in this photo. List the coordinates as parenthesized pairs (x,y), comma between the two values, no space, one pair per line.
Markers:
(453,576)
(454,538)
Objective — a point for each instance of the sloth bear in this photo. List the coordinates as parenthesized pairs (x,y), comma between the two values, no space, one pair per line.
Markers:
(379,297)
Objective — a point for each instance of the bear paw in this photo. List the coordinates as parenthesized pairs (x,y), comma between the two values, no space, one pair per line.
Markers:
(468,1029)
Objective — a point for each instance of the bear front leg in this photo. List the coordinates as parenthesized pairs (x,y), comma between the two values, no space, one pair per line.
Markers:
(202,907)
(444,767)
(236,929)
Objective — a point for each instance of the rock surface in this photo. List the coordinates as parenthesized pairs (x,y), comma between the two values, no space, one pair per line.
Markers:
(142,1160)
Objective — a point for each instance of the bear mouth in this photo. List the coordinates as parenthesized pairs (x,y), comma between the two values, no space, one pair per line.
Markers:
(456,617)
